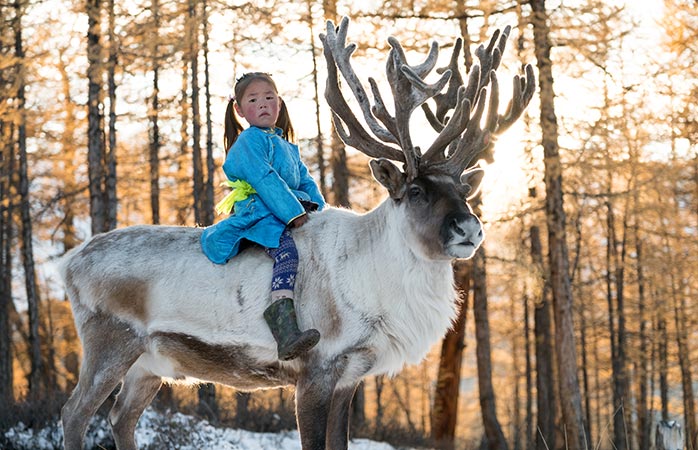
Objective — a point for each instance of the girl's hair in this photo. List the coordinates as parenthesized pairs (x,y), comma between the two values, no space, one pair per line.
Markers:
(233,128)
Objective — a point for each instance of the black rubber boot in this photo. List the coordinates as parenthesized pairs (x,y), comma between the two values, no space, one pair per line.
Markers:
(290,341)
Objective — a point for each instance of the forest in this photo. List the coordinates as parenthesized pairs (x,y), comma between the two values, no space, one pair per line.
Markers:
(577,326)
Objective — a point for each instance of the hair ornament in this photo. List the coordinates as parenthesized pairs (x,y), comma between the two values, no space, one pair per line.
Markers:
(231,97)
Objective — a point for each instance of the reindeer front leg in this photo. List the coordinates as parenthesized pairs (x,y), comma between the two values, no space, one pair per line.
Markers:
(338,424)
(355,364)
(313,400)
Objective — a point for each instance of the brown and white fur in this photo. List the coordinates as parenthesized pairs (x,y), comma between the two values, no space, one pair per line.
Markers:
(150,306)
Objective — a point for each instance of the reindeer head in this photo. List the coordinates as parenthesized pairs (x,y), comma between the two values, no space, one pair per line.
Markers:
(432,187)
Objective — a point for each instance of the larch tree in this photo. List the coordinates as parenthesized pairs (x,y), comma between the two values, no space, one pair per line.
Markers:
(95,117)
(207,203)
(570,398)
(7,157)
(192,39)
(38,385)
(338,157)
(681,27)
(68,152)
(110,198)
(154,143)
(319,138)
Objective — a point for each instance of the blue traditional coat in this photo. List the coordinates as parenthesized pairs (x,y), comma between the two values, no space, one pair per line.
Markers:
(273,167)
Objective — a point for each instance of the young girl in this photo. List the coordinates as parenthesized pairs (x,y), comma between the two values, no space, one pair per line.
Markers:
(272,193)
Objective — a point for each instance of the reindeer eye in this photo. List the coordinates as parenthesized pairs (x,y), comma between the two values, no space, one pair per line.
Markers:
(416,193)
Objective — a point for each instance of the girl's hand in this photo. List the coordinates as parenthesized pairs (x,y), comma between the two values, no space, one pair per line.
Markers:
(299,221)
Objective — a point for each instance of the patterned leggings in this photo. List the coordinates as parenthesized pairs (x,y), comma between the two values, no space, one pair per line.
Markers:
(285,267)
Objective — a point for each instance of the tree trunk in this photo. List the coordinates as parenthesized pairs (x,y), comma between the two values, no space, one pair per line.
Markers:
(585,362)
(208,407)
(493,431)
(95,119)
(614,277)
(320,151)
(445,409)
(37,385)
(68,151)
(154,144)
(210,165)
(193,49)
(662,350)
(528,438)
(242,412)
(183,192)
(6,170)
(338,157)
(516,364)
(684,354)
(545,384)
(110,199)
(643,414)
(379,384)
(570,399)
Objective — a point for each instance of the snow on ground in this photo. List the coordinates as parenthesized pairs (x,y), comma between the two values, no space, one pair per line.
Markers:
(170,431)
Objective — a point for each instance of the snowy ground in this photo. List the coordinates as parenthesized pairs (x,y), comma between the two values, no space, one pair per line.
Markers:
(175,431)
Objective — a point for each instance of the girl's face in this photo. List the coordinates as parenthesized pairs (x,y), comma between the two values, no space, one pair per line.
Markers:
(259,105)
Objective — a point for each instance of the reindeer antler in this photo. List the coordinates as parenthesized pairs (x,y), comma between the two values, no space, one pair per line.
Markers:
(461,133)
(467,148)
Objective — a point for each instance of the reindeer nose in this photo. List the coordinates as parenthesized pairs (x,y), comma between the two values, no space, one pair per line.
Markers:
(465,225)
(456,228)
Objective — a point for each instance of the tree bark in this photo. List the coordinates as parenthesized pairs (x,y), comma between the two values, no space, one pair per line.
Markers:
(684,354)
(545,384)
(37,385)
(528,438)
(110,198)
(643,414)
(493,431)
(210,165)
(614,278)
(68,151)
(193,49)
(95,118)
(7,157)
(183,192)
(445,409)
(154,144)
(662,351)
(320,151)
(570,399)
(585,362)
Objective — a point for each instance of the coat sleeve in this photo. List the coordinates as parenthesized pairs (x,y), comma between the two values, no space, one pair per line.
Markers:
(248,160)
(309,186)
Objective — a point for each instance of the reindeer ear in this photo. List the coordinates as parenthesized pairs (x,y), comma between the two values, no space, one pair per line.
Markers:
(471,180)
(390,176)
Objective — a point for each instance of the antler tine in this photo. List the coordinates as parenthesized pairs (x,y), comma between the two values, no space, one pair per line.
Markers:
(472,142)
(522,93)
(475,142)
(410,91)
(342,54)
(453,128)
(355,135)
(448,100)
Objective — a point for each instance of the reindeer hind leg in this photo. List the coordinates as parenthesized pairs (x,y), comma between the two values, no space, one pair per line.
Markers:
(110,347)
(137,391)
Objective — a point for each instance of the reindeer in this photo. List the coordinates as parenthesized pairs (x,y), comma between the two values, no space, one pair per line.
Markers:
(149,306)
